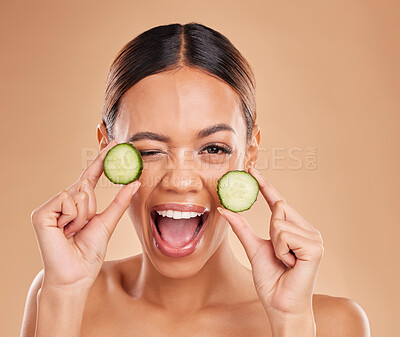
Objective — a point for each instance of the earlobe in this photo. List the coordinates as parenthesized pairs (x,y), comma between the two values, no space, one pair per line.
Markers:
(102,136)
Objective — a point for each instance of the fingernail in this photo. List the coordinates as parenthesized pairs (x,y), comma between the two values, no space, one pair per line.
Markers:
(220,210)
(70,234)
(286,264)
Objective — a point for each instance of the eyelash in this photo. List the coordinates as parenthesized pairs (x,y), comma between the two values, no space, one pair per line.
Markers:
(148,153)
(224,149)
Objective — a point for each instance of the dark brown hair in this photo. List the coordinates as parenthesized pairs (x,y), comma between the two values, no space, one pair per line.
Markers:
(167,47)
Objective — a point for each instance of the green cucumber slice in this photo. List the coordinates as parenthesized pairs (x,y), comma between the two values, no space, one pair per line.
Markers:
(237,190)
(123,164)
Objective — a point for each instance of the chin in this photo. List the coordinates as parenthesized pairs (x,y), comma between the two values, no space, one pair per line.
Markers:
(179,238)
(179,269)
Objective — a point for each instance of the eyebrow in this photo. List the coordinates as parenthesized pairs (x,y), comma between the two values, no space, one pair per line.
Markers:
(148,135)
(214,128)
(162,138)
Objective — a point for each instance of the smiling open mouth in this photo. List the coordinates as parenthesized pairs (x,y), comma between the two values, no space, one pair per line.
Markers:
(176,233)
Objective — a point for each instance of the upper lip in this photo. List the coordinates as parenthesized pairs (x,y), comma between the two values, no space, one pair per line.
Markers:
(180,207)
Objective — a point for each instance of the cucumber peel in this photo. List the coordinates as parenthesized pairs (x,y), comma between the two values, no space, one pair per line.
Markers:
(123,164)
(237,190)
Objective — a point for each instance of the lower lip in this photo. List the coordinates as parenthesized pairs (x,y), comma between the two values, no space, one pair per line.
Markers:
(177,252)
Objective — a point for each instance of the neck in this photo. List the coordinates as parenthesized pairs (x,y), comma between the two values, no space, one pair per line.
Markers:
(221,276)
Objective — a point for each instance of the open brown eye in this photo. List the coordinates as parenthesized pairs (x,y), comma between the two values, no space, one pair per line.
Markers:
(214,149)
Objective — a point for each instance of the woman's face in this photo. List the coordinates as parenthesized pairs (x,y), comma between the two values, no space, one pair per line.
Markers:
(190,130)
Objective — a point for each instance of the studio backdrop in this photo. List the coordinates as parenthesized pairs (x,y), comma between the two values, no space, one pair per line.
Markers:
(327,90)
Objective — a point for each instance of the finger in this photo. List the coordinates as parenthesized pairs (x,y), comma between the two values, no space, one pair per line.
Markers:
(56,212)
(95,168)
(278,225)
(62,209)
(269,192)
(303,248)
(243,231)
(113,213)
(81,202)
(278,205)
(282,210)
(92,203)
(93,172)
(278,211)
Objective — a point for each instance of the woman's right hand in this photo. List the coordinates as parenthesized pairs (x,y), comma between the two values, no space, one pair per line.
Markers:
(72,238)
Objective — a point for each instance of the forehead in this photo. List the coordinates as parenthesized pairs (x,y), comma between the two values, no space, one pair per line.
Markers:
(187,99)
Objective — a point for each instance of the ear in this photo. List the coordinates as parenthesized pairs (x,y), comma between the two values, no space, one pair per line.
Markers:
(102,136)
(252,152)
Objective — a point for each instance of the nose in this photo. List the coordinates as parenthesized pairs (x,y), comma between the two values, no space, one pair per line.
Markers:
(182,175)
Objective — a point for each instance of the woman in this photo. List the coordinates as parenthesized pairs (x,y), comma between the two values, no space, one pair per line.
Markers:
(184,96)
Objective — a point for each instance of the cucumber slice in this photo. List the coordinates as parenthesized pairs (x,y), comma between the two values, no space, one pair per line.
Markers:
(237,190)
(123,164)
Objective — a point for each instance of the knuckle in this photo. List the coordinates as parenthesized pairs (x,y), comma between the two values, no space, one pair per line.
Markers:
(279,204)
(82,195)
(34,215)
(276,223)
(318,237)
(91,214)
(104,228)
(64,195)
(72,212)
(85,182)
(255,257)
(318,250)
(282,235)
(118,200)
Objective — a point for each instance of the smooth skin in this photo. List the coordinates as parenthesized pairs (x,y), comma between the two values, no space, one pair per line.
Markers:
(209,292)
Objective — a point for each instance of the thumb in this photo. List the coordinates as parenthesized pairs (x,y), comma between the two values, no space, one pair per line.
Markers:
(113,213)
(250,240)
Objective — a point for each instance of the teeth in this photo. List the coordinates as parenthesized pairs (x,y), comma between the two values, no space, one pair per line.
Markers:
(178,214)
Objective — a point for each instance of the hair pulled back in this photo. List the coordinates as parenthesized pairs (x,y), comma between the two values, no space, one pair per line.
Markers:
(172,46)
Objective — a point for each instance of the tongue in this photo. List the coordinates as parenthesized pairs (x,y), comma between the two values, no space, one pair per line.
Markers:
(177,232)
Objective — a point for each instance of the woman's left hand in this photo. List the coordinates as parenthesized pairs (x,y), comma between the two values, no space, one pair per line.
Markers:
(284,267)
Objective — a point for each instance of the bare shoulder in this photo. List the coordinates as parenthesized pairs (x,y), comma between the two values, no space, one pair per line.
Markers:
(29,319)
(119,270)
(339,316)
(112,275)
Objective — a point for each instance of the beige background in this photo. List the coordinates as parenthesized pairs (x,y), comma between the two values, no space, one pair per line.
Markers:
(327,77)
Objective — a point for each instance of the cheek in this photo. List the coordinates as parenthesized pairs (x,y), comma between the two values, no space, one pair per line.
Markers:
(151,175)
(137,208)
(211,172)
(218,232)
